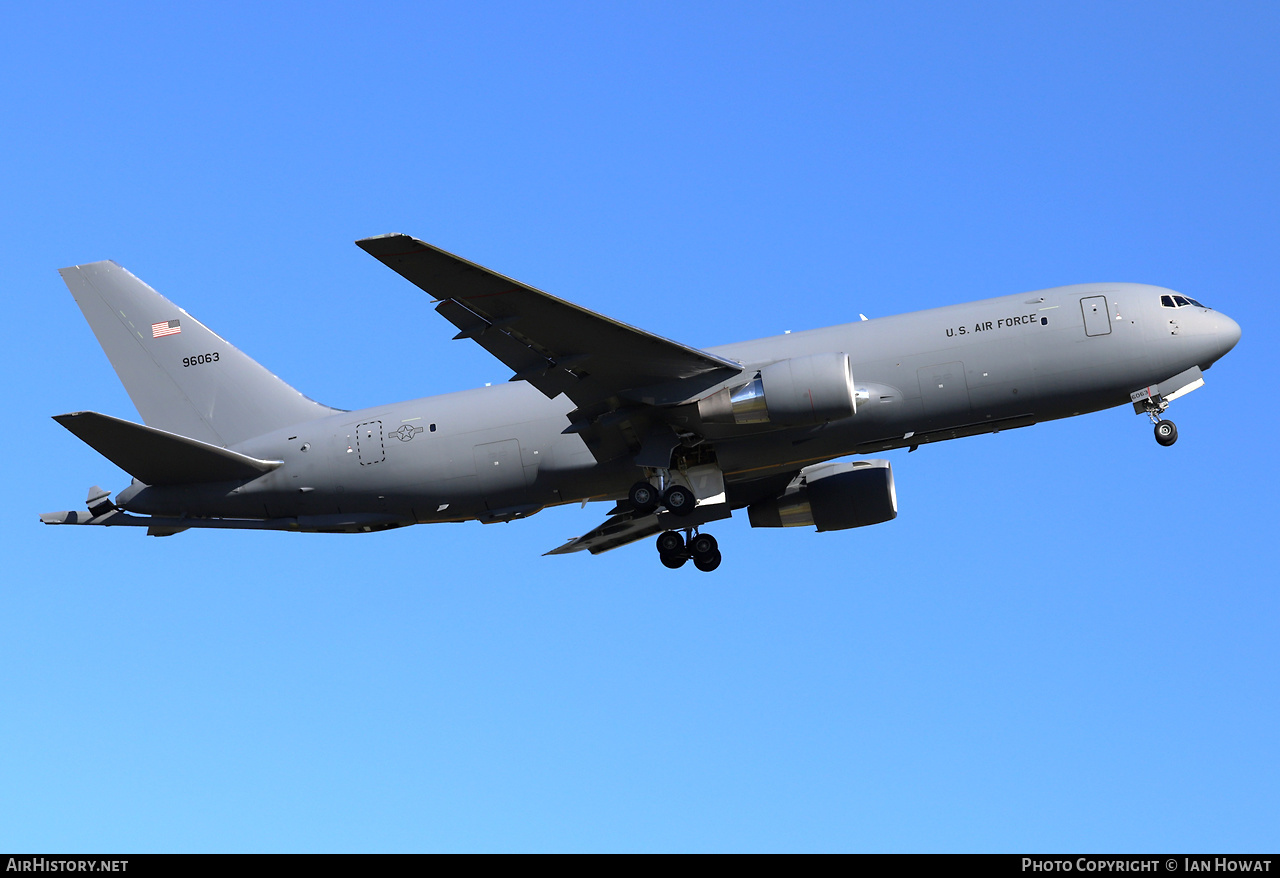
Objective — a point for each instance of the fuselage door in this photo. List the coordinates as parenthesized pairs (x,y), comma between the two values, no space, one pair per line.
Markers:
(944,393)
(499,468)
(1096,319)
(369,447)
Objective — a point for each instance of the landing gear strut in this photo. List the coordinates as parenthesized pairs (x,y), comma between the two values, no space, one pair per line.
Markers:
(680,544)
(674,549)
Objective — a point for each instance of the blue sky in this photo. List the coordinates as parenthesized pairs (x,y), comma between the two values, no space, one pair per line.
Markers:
(1066,641)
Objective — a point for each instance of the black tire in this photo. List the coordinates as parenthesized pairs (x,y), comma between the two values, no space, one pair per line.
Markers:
(1166,433)
(670,542)
(643,497)
(702,545)
(708,563)
(679,500)
(675,562)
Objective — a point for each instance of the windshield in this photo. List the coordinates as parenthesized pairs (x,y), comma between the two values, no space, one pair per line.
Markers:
(1180,302)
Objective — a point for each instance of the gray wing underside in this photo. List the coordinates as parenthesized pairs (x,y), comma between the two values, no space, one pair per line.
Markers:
(627,527)
(556,346)
(617,531)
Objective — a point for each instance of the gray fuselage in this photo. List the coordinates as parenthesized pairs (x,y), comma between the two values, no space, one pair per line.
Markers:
(922,377)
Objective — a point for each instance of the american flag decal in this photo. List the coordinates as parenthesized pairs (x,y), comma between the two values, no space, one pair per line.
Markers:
(165,327)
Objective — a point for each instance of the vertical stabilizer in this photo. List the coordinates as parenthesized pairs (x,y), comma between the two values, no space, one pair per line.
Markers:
(182,377)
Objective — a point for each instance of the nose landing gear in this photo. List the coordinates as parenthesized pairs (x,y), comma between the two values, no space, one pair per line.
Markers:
(674,549)
(1154,400)
(1154,407)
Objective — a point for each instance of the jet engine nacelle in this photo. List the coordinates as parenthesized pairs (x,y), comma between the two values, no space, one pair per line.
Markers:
(791,393)
(832,496)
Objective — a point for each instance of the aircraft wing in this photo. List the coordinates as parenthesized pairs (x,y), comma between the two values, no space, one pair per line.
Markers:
(628,526)
(556,346)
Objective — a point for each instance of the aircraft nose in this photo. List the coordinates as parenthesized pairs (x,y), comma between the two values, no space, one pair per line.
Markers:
(1227,332)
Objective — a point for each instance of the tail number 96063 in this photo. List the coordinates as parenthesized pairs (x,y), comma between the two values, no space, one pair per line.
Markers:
(200,359)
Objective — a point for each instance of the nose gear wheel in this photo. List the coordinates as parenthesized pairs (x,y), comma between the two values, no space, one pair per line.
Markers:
(1166,433)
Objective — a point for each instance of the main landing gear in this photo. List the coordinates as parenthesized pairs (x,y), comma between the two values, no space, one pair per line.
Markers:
(674,549)
(645,498)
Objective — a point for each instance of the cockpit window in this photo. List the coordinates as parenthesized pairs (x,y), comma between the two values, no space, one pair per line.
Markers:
(1180,302)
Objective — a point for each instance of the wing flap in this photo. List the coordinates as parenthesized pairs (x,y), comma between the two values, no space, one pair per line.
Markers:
(619,530)
(529,361)
(157,457)
(627,527)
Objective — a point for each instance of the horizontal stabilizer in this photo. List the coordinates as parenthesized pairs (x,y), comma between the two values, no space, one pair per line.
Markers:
(159,526)
(160,458)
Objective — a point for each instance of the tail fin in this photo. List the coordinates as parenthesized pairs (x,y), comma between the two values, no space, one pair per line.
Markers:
(182,377)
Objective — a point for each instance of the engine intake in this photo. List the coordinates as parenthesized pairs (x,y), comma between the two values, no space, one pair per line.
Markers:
(832,496)
(791,393)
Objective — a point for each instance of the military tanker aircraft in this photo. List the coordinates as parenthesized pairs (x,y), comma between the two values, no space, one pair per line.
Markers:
(676,437)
